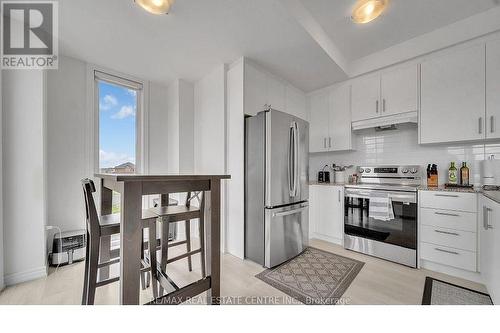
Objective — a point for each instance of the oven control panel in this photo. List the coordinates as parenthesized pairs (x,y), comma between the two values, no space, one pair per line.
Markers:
(406,172)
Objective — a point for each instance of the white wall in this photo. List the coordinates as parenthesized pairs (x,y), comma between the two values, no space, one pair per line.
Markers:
(23,175)
(180,120)
(186,126)
(68,110)
(173,128)
(158,132)
(210,132)
(401,147)
(210,122)
(67,161)
(2,284)
(235,230)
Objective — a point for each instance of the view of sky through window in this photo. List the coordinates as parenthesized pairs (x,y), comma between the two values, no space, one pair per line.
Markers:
(117,128)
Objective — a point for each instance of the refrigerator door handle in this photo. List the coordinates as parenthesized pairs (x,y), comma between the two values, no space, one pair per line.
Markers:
(290,160)
(296,160)
(293,159)
(291,212)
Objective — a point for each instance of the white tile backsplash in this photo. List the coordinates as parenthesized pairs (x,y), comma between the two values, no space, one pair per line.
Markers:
(401,147)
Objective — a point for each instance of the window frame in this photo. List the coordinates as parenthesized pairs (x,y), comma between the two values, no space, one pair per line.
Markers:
(97,74)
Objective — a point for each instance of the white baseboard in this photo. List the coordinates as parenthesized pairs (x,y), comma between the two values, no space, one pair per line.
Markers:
(456,272)
(333,240)
(32,274)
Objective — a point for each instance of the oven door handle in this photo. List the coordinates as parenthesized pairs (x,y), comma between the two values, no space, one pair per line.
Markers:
(398,197)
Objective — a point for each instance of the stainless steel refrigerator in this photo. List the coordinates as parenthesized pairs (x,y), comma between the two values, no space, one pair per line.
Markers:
(276,187)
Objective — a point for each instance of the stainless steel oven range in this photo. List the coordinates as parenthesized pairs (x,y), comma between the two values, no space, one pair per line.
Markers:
(394,238)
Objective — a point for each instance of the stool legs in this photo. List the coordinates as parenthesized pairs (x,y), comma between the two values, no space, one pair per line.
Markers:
(164,247)
(187,224)
(201,234)
(86,274)
(93,269)
(152,258)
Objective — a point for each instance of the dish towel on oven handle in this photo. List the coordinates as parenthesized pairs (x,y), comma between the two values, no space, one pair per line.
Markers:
(381,207)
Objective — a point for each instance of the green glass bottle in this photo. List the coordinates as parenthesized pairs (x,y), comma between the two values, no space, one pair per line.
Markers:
(453,174)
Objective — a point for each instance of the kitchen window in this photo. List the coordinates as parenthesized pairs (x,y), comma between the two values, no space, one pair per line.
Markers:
(118,104)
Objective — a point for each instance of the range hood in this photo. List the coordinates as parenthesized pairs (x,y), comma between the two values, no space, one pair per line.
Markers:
(387,121)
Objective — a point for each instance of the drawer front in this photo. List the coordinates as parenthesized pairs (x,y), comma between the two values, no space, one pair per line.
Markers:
(463,240)
(465,202)
(449,219)
(448,256)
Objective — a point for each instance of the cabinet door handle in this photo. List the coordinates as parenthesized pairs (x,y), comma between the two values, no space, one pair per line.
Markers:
(330,142)
(486,218)
(446,251)
(492,124)
(480,125)
(376,106)
(446,232)
(447,195)
(324,143)
(383,105)
(446,214)
(339,195)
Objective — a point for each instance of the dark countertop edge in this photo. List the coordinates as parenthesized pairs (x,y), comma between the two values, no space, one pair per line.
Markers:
(444,189)
(166,177)
(493,195)
(419,188)
(329,184)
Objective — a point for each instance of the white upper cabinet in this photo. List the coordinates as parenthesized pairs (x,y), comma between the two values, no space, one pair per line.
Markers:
(365,98)
(276,93)
(255,90)
(493,90)
(399,90)
(330,120)
(453,97)
(319,105)
(296,102)
(263,89)
(340,129)
(386,93)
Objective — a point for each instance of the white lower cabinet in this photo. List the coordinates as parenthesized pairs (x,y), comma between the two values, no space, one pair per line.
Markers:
(489,226)
(448,229)
(449,256)
(326,213)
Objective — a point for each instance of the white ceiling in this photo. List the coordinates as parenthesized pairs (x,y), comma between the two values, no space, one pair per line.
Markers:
(194,38)
(403,20)
(198,35)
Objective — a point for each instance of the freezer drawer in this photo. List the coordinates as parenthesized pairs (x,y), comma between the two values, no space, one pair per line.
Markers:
(286,233)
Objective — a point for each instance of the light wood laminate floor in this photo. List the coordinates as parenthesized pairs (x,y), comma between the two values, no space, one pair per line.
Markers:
(379,282)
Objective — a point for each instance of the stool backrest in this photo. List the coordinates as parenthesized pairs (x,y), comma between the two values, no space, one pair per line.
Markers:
(196,195)
(90,208)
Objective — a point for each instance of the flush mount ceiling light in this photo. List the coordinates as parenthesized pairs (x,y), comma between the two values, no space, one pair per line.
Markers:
(157,7)
(367,10)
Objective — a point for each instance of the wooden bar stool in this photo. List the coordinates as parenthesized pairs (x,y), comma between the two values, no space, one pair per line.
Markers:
(182,213)
(106,225)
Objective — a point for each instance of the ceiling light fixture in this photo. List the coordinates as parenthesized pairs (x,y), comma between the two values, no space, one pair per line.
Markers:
(157,7)
(367,10)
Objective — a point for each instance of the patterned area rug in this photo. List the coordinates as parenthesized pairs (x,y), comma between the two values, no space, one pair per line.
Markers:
(438,292)
(314,276)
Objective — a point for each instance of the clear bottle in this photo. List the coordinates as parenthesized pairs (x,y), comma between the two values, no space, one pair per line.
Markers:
(453,174)
(464,174)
